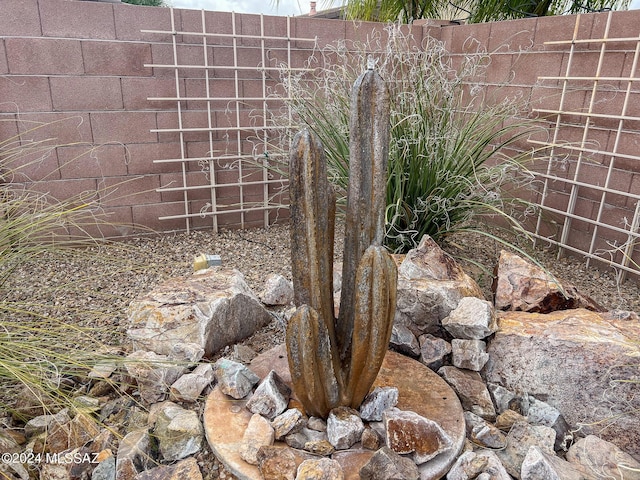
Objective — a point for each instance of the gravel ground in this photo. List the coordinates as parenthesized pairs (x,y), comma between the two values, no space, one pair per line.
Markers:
(74,285)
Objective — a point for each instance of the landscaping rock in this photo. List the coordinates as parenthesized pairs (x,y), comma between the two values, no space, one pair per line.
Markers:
(305,435)
(277,463)
(502,398)
(472,319)
(320,469)
(234,378)
(541,413)
(243,354)
(271,397)
(521,437)
(376,402)
(344,427)
(370,439)
(430,286)
(386,464)
(71,435)
(507,419)
(189,387)
(433,351)
(541,465)
(179,432)
(185,469)
(317,424)
(103,370)
(577,361)
(290,421)
(521,285)
(476,465)
(212,308)
(404,341)
(471,390)
(277,291)
(469,354)
(482,433)
(44,423)
(410,433)
(105,470)
(320,447)
(186,352)
(603,459)
(259,433)
(134,453)
(153,373)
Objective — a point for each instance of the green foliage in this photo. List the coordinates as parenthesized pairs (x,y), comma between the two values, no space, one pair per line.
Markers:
(448,157)
(473,11)
(149,3)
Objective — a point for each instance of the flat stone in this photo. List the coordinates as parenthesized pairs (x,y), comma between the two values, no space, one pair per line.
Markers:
(420,390)
(603,459)
(507,419)
(43,423)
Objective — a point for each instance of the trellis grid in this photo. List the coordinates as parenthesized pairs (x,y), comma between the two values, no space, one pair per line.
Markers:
(582,161)
(252,186)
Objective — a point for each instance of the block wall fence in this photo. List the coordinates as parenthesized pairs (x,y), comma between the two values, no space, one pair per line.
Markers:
(135,84)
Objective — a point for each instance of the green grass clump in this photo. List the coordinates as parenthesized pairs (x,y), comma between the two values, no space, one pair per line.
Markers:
(450,156)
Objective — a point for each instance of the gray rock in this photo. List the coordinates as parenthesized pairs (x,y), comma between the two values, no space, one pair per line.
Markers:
(277,290)
(475,465)
(320,469)
(212,308)
(105,470)
(344,427)
(603,459)
(243,354)
(103,370)
(404,341)
(44,423)
(540,465)
(259,433)
(189,387)
(501,396)
(234,378)
(134,451)
(541,413)
(521,437)
(471,390)
(153,373)
(290,421)
(433,351)
(376,402)
(482,433)
(179,432)
(410,433)
(472,319)
(469,354)
(300,438)
(317,424)
(386,464)
(271,397)
(185,469)
(187,352)
(430,286)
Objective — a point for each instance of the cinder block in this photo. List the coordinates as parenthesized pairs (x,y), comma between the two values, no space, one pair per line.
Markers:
(215,22)
(117,58)
(20,18)
(85,161)
(130,190)
(511,36)
(131,19)
(72,190)
(326,30)
(123,127)
(28,165)
(61,18)
(86,93)
(148,216)
(113,222)
(61,128)
(44,56)
(136,90)
(24,94)
(4,67)
(140,157)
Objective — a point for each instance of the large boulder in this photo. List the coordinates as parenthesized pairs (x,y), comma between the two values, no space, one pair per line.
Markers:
(430,286)
(212,308)
(521,285)
(577,361)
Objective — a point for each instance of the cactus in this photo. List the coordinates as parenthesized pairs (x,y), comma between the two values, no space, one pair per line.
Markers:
(334,361)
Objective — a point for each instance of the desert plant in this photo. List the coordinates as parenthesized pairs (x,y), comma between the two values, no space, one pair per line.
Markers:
(449,138)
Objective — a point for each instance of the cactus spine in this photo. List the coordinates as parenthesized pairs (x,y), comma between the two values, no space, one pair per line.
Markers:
(334,362)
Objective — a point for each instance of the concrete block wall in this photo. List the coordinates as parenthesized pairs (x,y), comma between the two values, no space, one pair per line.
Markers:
(79,69)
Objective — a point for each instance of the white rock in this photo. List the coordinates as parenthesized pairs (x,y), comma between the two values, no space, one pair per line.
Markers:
(277,290)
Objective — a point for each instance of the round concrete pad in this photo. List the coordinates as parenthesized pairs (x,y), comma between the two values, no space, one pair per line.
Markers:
(420,390)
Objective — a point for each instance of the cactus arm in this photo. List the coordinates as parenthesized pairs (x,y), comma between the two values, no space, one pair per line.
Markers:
(311,362)
(375,302)
(312,212)
(366,196)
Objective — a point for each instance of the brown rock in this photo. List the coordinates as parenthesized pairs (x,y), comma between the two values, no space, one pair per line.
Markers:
(507,419)
(410,433)
(578,362)
(185,469)
(278,463)
(259,433)
(370,439)
(471,390)
(521,285)
(321,469)
(388,465)
(78,432)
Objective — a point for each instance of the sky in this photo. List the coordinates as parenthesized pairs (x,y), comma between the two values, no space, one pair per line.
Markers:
(285,7)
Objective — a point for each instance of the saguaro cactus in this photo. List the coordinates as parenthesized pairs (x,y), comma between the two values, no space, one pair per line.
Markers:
(334,361)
